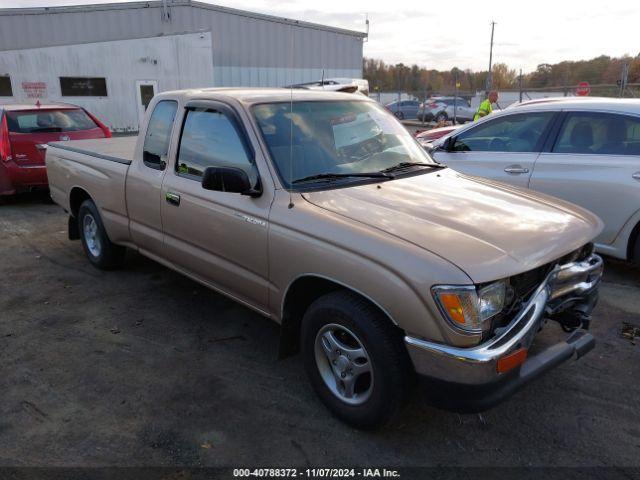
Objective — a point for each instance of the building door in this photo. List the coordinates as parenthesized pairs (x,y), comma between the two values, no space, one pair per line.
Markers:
(145,90)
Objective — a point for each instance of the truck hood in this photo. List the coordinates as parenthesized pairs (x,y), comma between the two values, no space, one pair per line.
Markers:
(488,229)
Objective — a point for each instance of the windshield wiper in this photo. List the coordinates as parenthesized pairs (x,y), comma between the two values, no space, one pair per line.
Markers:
(334,176)
(404,165)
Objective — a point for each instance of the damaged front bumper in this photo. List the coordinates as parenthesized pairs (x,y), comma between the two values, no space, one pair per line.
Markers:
(568,295)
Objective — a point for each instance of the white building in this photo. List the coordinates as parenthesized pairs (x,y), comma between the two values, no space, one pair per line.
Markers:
(112,58)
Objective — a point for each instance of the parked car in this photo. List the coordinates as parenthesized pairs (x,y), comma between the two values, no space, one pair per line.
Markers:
(441,109)
(583,151)
(377,262)
(347,85)
(404,108)
(24,132)
(427,137)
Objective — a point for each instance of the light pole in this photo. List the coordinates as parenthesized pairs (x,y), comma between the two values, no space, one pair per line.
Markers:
(489,79)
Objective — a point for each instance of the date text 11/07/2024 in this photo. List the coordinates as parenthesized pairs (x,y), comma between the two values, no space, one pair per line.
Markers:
(316,473)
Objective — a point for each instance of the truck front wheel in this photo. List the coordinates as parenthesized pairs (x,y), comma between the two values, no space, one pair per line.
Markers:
(355,359)
(99,250)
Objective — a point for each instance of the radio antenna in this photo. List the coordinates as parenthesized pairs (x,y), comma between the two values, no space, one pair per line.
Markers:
(291,124)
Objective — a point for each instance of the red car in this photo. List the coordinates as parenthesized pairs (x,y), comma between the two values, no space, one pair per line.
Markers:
(25,131)
(434,133)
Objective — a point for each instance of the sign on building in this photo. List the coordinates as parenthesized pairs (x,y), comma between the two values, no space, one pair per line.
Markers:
(34,89)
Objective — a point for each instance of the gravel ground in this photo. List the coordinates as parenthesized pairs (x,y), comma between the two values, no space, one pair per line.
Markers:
(145,367)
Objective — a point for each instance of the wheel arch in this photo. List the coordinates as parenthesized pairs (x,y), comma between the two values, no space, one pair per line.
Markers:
(634,239)
(77,195)
(299,295)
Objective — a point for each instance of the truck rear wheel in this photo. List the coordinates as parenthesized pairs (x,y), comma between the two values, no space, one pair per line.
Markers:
(355,359)
(99,250)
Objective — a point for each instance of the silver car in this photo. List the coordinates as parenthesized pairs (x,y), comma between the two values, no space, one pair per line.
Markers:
(404,108)
(442,109)
(584,151)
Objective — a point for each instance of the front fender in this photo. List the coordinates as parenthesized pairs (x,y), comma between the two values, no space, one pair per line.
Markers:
(394,275)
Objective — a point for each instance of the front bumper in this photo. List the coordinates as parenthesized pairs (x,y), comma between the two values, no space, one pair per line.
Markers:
(568,287)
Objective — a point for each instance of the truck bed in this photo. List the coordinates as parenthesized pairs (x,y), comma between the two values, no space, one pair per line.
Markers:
(97,169)
(118,149)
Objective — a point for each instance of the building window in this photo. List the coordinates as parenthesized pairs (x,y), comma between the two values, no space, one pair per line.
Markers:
(5,86)
(83,86)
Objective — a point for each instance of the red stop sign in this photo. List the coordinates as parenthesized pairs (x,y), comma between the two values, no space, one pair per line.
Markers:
(583,89)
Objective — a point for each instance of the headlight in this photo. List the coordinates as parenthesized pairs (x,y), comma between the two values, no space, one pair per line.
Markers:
(468,308)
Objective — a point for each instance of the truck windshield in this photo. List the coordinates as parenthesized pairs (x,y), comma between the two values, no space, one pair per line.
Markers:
(334,137)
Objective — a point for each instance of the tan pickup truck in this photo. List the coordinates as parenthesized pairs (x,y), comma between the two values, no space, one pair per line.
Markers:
(321,212)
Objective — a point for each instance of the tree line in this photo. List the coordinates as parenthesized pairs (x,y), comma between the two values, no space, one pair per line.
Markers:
(597,71)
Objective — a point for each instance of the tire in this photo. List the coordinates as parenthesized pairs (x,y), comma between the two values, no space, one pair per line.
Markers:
(97,247)
(636,251)
(362,340)
(442,117)
(399,115)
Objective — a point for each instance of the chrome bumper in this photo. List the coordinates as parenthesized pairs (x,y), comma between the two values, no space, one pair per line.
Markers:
(478,365)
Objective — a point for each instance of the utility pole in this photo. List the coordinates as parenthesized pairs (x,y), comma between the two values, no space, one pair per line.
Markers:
(624,79)
(455,97)
(520,85)
(489,79)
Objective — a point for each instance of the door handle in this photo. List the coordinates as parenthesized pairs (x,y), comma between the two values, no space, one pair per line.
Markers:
(516,169)
(636,176)
(172,198)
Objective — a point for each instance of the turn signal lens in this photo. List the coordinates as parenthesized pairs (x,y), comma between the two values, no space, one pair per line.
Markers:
(453,307)
(469,309)
(511,361)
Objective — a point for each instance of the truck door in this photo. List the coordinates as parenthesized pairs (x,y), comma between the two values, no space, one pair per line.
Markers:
(144,179)
(218,237)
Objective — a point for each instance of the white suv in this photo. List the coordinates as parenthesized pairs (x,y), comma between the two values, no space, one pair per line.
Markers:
(584,151)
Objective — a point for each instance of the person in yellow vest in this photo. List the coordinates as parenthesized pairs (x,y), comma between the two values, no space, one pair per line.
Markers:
(485,107)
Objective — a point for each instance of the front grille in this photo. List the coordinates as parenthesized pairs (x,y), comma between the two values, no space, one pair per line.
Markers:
(521,287)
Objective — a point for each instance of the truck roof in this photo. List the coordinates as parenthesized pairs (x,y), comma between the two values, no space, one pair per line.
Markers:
(251,96)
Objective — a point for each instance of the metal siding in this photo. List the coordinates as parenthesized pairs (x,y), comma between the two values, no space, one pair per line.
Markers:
(184,61)
(246,50)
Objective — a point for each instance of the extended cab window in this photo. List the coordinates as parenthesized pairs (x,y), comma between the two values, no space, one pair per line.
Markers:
(211,139)
(156,141)
(510,133)
(599,133)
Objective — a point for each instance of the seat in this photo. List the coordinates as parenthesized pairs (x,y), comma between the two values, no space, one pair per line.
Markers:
(616,136)
(581,139)
(44,120)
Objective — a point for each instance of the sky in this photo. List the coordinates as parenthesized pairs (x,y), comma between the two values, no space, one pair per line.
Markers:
(443,35)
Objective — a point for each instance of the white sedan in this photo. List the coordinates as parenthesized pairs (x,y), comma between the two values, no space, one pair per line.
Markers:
(586,151)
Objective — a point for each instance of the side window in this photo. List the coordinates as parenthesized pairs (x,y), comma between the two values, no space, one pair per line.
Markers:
(156,141)
(211,139)
(600,134)
(510,133)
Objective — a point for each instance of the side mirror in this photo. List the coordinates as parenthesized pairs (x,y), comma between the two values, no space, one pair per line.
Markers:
(228,179)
